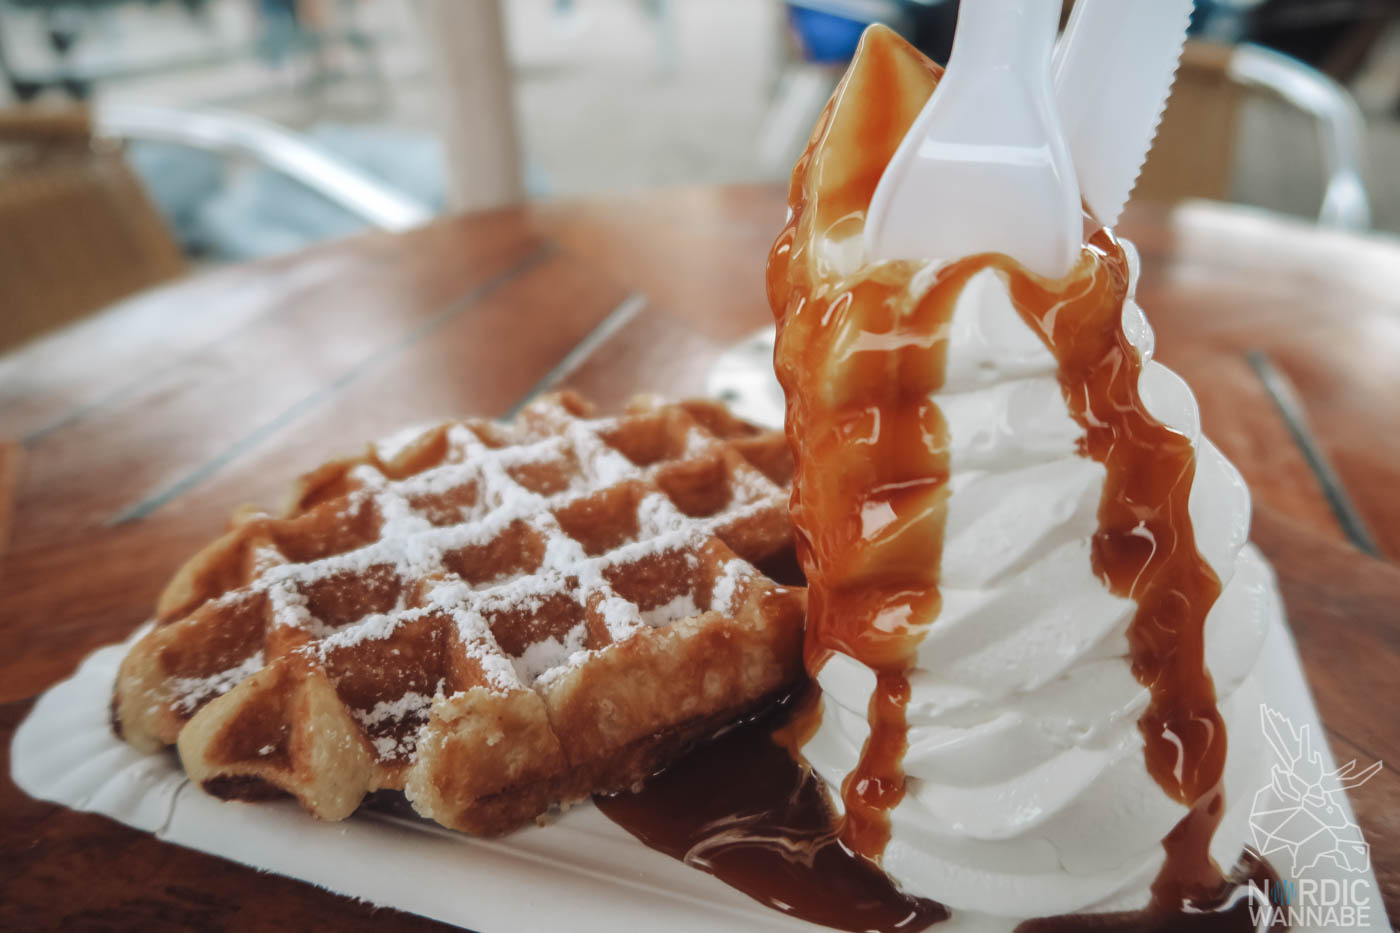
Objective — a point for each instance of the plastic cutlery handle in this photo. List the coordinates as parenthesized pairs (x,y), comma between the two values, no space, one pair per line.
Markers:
(1114,70)
(985,167)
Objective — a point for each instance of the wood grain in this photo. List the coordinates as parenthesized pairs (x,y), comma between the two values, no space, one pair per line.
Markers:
(1344,609)
(1324,305)
(140,429)
(476,366)
(9,479)
(657,353)
(697,254)
(1238,414)
(377,280)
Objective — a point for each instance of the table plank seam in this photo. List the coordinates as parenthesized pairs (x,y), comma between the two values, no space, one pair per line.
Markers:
(310,402)
(10,453)
(1285,399)
(113,396)
(616,319)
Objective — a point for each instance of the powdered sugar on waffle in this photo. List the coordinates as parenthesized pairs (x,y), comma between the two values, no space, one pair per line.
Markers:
(410,708)
(374,627)
(190,692)
(727,586)
(390,447)
(681,607)
(621,617)
(413,549)
(550,653)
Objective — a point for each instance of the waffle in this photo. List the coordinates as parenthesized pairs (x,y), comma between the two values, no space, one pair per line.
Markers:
(492,618)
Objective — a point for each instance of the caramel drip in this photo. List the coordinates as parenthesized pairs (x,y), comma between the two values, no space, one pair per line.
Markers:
(858,357)
(870,498)
(858,361)
(1144,550)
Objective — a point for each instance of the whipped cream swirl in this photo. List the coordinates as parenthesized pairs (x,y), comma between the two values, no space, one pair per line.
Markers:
(1027,793)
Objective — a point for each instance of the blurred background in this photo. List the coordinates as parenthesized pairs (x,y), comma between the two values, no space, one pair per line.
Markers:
(141,140)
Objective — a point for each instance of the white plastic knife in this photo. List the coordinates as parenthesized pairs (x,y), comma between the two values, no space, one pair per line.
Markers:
(1114,68)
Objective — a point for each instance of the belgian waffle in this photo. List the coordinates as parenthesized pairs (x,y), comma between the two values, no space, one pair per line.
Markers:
(493,618)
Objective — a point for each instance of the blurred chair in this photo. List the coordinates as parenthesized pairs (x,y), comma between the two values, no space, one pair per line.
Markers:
(1194,155)
(77,231)
(281,150)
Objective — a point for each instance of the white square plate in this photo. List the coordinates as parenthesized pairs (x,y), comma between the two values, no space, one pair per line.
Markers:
(580,873)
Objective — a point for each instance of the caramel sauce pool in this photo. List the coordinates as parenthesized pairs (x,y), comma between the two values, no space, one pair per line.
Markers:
(742,809)
(745,810)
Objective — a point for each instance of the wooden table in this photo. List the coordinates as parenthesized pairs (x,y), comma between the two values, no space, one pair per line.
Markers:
(134,434)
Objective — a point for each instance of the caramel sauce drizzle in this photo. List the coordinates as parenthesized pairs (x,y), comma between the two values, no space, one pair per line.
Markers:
(858,358)
(1144,550)
(858,361)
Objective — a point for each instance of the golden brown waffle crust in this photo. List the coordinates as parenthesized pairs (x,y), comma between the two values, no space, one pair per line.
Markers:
(493,618)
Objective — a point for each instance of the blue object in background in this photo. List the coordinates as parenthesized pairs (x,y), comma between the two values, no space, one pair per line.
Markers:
(826,37)
(1221,20)
(829,30)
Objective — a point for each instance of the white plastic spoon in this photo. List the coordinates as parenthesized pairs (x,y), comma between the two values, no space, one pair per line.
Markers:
(985,167)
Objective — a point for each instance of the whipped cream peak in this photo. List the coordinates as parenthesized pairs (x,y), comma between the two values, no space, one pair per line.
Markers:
(1023,709)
